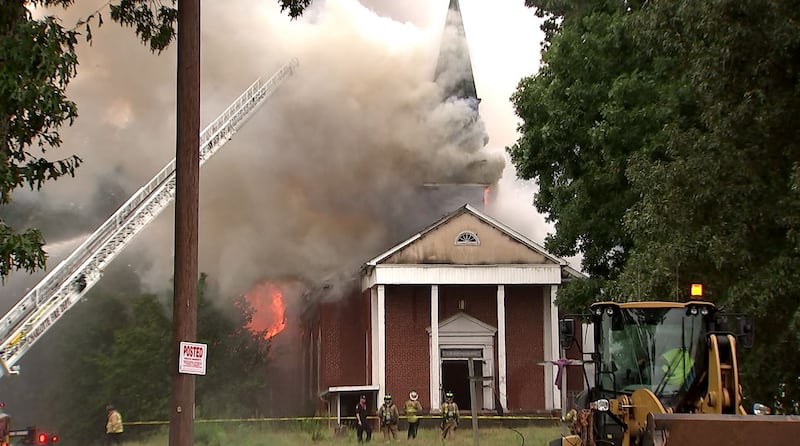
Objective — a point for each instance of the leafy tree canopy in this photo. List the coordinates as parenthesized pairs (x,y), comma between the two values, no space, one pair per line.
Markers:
(663,140)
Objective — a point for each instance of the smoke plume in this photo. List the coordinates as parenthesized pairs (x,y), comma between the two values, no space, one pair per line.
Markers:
(326,175)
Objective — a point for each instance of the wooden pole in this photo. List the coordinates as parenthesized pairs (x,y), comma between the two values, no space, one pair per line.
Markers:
(187,179)
(563,386)
(473,401)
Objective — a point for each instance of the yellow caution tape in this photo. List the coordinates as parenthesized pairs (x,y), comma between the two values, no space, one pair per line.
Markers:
(320,418)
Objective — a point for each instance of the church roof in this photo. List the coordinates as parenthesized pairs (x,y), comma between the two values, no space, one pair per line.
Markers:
(508,231)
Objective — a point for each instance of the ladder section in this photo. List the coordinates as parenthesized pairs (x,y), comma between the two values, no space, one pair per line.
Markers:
(44,304)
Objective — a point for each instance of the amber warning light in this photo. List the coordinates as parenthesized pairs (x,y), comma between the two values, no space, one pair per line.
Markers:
(697,291)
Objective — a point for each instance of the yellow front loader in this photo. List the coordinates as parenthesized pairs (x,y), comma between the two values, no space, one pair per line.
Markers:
(666,373)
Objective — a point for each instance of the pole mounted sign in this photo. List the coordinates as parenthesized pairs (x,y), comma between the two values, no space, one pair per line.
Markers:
(192,358)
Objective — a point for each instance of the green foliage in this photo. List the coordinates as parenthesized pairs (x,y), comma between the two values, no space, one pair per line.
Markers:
(116,348)
(210,435)
(136,369)
(583,115)
(786,400)
(295,7)
(235,383)
(37,61)
(663,140)
(155,23)
(83,338)
(314,428)
(20,251)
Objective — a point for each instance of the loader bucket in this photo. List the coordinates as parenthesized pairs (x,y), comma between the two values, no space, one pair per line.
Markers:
(729,430)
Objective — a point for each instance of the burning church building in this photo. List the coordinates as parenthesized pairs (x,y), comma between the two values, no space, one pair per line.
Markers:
(490,293)
(466,288)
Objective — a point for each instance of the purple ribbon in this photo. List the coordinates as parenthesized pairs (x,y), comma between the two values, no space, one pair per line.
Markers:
(561,364)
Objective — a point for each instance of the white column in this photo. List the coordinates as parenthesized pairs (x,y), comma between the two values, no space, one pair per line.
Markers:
(488,370)
(381,342)
(373,315)
(501,345)
(434,350)
(552,351)
(338,408)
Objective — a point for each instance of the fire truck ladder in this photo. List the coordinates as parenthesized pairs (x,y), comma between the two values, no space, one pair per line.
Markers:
(43,305)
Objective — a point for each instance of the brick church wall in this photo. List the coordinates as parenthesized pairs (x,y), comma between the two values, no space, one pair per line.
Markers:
(480,302)
(408,312)
(343,342)
(309,351)
(524,347)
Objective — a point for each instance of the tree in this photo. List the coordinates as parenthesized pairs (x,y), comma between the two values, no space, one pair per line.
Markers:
(724,207)
(661,137)
(124,359)
(78,346)
(235,384)
(37,62)
(586,111)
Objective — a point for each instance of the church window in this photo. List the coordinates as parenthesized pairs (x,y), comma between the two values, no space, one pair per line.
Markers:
(467,238)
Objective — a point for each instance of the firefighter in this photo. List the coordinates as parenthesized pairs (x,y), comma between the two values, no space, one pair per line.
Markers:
(113,425)
(449,416)
(364,425)
(389,416)
(412,409)
(677,367)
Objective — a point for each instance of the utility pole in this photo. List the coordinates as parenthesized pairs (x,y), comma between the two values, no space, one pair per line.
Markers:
(475,385)
(187,192)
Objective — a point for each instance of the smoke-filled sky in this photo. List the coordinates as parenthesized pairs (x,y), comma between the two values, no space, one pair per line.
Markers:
(326,174)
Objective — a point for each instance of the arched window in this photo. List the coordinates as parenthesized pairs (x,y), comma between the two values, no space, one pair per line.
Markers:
(467,238)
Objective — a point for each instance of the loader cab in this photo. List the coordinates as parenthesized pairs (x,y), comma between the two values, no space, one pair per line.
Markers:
(656,358)
(661,346)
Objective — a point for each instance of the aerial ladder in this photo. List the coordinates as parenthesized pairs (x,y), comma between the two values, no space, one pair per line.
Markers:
(64,285)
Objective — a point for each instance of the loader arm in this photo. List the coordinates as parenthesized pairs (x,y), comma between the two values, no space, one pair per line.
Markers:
(724,395)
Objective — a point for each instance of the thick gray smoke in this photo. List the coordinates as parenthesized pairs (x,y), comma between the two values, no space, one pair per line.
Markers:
(324,176)
(328,174)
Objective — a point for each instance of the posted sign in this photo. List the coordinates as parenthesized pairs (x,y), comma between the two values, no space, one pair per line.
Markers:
(192,358)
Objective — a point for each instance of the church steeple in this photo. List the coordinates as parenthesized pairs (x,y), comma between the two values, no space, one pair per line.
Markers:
(454,68)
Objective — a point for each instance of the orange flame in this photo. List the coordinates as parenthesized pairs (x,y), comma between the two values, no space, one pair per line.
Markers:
(270,310)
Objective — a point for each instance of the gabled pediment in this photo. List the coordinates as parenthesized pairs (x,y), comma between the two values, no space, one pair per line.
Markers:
(464,324)
(467,237)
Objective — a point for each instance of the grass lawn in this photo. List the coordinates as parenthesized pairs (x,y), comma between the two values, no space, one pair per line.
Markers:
(249,435)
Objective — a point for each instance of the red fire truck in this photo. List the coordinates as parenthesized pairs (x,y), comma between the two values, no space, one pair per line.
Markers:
(31,436)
